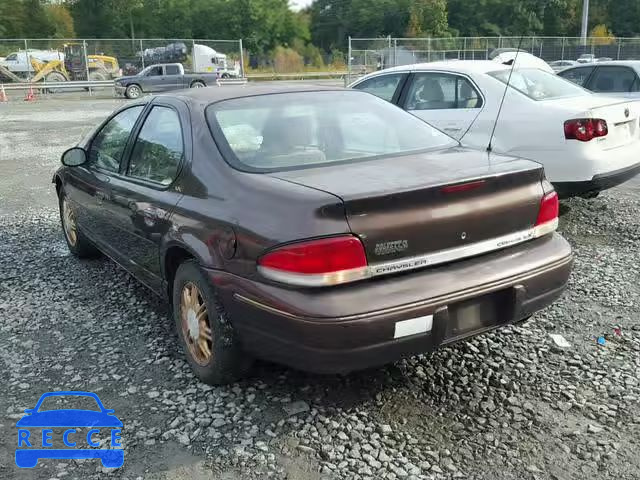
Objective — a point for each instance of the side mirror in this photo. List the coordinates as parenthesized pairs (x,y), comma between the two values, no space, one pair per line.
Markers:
(74,157)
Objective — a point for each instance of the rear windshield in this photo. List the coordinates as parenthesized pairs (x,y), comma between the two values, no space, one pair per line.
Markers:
(304,129)
(538,84)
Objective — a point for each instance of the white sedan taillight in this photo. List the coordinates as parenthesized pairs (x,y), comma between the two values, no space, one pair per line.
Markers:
(585,129)
(547,220)
(316,263)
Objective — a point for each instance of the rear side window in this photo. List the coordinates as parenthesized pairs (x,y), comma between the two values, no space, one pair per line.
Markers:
(159,148)
(109,144)
(383,86)
(305,129)
(437,91)
(614,79)
(172,70)
(578,76)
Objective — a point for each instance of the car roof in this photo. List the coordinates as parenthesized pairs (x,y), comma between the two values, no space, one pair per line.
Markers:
(463,66)
(225,92)
(624,63)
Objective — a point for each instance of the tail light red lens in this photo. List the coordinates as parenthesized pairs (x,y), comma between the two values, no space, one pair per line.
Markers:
(327,261)
(585,129)
(547,220)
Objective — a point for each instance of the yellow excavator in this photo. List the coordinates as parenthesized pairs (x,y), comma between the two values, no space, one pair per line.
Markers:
(75,66)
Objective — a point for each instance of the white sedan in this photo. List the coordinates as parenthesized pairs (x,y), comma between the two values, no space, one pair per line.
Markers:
(587,143)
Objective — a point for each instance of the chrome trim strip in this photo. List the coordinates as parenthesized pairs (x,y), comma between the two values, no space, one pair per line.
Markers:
(458,253)
(408,264)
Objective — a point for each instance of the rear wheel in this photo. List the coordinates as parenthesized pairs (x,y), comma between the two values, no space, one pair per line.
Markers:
(78,244)
(207,336)
(198,84)
(133,92)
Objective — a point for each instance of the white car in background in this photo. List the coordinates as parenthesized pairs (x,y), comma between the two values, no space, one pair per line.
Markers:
(587,143)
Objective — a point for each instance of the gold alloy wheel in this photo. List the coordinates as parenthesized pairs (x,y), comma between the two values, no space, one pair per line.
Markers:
(195,324)
(69,223)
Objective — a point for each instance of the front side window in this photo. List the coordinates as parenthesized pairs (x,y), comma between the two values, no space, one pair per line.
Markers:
(108,146)
(383,86)
(303,129)
(155,71)
(578,76)
(538,84)
(159,148)
(614,79)
(437,91)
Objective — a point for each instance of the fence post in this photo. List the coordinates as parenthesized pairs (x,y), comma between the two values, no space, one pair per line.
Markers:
(486,52)
(464,48)
(86,64)
(241,59)
(26,52)
(563,42)
(395,52)
(349,63)
(429,49)
(141,54)
(193,56)
(619,48)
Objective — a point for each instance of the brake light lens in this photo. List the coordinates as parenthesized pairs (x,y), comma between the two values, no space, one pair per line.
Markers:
(314,263)
(585,129)
(547,220)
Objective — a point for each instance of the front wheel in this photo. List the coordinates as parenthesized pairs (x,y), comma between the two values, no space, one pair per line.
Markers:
(133,92)
(205,331)
(78,244)
(198,84)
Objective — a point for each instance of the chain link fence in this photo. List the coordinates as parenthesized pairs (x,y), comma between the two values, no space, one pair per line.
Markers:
(370,54)
(100,60)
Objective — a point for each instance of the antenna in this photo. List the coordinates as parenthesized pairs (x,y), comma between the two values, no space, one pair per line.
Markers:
(504,94)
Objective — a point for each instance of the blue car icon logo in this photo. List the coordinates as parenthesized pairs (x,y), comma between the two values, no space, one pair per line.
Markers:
(31,447)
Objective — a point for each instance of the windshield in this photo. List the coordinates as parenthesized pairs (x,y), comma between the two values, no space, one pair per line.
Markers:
(293,130)
(538,84)
(59,402)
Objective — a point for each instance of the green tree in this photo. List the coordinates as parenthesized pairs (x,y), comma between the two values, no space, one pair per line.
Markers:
(61,20)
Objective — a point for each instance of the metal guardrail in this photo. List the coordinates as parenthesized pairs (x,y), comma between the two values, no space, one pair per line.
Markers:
(58,85)
(301,75)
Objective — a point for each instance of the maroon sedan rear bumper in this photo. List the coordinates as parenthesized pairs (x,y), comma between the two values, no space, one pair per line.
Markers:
(351,327)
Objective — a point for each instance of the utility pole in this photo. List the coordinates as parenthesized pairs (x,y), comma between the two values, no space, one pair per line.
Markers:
(585,21)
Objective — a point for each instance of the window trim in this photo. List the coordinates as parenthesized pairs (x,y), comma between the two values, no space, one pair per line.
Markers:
(104,171)
(592,77)
(404,75)
(407,87)
(124,168)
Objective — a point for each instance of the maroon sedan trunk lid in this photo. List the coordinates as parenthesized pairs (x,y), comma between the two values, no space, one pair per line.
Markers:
(418,204)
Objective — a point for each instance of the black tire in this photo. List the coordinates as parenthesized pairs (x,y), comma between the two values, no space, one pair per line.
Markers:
(227,362)
(79,245)
(133,91)
(198,84)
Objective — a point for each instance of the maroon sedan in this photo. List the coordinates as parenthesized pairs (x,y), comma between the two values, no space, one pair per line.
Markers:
(325,229)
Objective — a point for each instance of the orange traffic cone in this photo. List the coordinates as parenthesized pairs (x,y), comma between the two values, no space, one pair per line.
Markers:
(31,96)
(3,95)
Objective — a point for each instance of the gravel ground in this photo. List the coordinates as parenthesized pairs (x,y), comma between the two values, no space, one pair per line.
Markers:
(507,405)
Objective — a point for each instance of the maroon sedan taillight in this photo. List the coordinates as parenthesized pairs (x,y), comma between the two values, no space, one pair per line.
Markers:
(314,263)
(585,129)
(547,220)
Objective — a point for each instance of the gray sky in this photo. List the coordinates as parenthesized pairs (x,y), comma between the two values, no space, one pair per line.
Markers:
(298,4)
